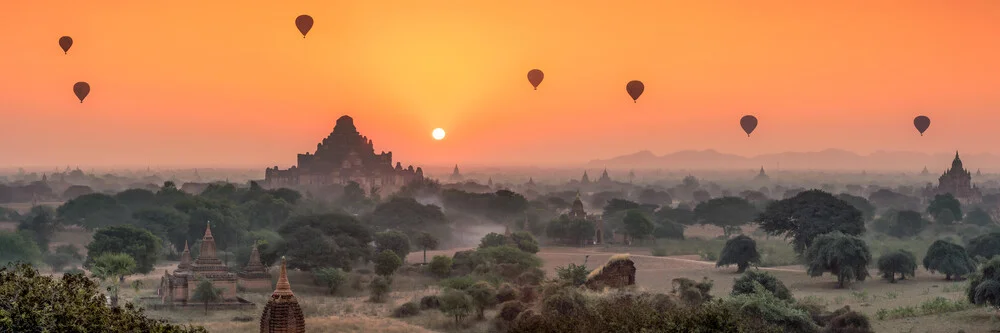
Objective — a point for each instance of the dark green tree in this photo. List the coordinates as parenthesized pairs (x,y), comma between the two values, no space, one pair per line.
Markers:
(393,240)
(942,202)
(266,211)
(166,223)
(379,288)
(637,225)
(862,204)
(72,303)
(651,196)
(441,266)
(846,256)
(386,263)
(426,242)
(986,246)
(483,295)
(570,231)
(904,223)
(979,216)
(493,239)
(41,224)
(326,240)
(137,243)
(740,251)
(408,215)
(984,286)
(681,214)
(945,217)
(112,268)
(900,262)
(94,211)
(948,258)
(524,241)
(808,215)
(18,246)
(728,213)
(746,284)
(329,277)
(455,303)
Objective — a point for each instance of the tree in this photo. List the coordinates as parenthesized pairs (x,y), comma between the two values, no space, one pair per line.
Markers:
(94,211)
(18,246)
(575,275)
(386,263)
(668,229)
(728,213)
(942,202)
(681,214)
(426,241)
(441,266)
(206,293)
(653,197)
(862,204)
(394,241)
(524,241)
(900,262)
(845,256)
(808,215)
(330,277)
(740,251)
(164,222)
(570,231)
(71,303)
(41,224)
(979,216)
(948,258)
(379,288)
(75,191)
(266,211)
(112,268)
(455,303)
(483,296)
(905,223)
(986,246)
(637,225)
(325,240)
(984,287)
(409,216)
(62,256)
(746,284)
(945,217)
(492,239)
(137,243)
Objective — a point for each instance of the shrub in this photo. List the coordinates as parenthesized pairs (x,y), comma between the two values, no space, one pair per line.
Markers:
(441,266)
(900,262)
(455,303)
(483,296)
(329,277)
(748,283)
(984,286)
(459,283)
(740,251)
(505,293)
(762,308)
(573,274)
(408,309)
(387,262)
(379,288)
(430,302)
(851,322)
(528,294)
(509,310)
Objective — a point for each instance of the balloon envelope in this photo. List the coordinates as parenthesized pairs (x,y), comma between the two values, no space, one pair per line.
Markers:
(921,123)
(535,77)
(749,123)
(304,23)
(81,89)
(65,42)
(635,89)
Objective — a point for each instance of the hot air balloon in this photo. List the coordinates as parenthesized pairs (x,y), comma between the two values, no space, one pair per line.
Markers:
(921,123)
(535,77)
(65,42)
(749,123)
(304,23)
(635,89)
(81,89)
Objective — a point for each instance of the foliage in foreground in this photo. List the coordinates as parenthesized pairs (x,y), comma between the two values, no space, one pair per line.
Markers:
(30,302)
(984,286)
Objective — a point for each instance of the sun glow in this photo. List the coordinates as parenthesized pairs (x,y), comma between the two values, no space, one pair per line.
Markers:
(438,133)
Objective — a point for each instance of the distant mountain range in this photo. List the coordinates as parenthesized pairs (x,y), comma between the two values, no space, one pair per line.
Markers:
(829,159)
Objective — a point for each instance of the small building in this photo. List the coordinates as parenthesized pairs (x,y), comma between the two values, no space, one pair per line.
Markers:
(176,288)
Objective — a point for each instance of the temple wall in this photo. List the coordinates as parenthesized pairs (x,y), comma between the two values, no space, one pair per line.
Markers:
(256,284)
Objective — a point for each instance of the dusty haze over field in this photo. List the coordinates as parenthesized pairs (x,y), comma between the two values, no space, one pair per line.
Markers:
(210,84)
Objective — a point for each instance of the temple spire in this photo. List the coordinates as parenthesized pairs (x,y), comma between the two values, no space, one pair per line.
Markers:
(207,243)
(282,288)
(185,258)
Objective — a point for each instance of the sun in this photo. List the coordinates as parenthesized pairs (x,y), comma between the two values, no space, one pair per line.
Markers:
(438,133)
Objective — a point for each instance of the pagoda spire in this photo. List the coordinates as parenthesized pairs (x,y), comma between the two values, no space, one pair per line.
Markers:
(207,243)
(185,257)
(283,288)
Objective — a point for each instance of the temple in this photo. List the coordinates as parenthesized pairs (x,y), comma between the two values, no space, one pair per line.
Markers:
(958,182)
(254,276)
(455,175)
(576,212)
(176,288)
(342,157)
(282,314)
(605,179)
(762,176)
(585,179)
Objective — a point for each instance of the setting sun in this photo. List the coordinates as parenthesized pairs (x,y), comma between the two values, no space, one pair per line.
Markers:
(438,133)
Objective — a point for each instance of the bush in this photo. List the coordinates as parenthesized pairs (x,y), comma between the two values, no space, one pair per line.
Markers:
(762,308)
(748,283)
(851,322)
(573,274)
(532,277)
(984,286)
(329,277)
(429,302)
(440,266)
(458,283)
(506,293)
(408,309)
(455,303)
(509,310)
(483,296)
(387,262)
(528,294)
(379,288)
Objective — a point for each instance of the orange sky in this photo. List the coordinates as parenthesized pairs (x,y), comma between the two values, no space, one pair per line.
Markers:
(198,83)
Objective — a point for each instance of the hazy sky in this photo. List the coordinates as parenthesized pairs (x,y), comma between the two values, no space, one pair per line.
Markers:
(187,82)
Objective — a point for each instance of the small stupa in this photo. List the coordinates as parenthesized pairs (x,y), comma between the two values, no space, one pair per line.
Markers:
(254,275)
(282,313)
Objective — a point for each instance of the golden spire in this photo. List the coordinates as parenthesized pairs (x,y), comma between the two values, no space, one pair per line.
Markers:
(208,229)
(282,288)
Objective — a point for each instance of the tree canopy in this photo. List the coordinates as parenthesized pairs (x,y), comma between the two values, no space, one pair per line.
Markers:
(948,258)
(904,223)
(727,213)
(808,215)
(846,256)
(942,202)
(984,287)
(740,251)
(900,262)
(327,240)
(137,243)
(987,245)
